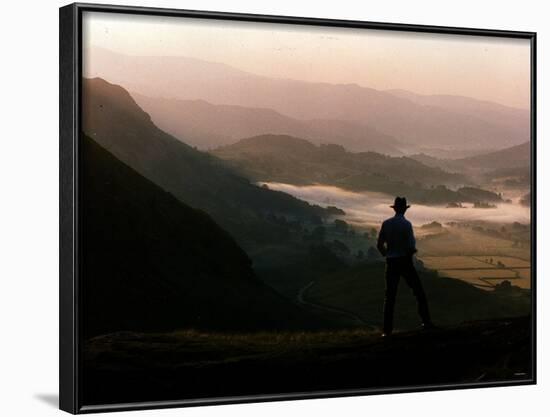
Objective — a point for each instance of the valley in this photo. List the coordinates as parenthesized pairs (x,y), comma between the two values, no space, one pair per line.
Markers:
(319,227)
(463,243)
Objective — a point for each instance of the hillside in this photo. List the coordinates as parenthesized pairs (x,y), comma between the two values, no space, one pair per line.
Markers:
(475,352)
(151,263)
(113,119)
(512,161)
(513,157)
(207,126)
(280,158)
(414,124)
(359,289)
(303,159)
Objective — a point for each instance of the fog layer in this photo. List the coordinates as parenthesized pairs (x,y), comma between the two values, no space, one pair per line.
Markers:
(372,208)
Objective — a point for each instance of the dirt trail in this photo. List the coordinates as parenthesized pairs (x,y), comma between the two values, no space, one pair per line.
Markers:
(300,298)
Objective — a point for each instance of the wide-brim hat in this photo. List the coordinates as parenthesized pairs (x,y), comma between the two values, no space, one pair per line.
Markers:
(400,202)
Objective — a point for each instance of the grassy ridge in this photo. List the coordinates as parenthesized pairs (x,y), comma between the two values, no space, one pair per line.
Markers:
(134,366)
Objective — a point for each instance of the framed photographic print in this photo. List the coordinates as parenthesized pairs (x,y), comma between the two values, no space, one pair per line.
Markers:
(262,207)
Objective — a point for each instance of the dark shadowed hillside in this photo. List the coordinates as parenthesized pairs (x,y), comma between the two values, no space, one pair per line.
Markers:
(113,119)
(206,125)
(282,158)
(151,263)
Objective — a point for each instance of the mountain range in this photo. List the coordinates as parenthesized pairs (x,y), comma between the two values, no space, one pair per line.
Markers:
(486,110)
(443,123)
(208,126)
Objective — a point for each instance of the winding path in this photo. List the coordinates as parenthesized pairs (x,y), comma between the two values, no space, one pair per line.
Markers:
(300,298)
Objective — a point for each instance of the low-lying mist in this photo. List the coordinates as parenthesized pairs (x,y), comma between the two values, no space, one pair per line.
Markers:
(366,208)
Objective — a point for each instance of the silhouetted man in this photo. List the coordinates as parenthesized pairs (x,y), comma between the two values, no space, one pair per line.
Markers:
(397,243)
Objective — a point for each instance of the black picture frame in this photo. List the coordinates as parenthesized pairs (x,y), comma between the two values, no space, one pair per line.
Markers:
(70,44)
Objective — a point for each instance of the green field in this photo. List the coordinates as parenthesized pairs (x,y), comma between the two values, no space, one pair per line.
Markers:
(452,262)
(464,240)
(481,273)
(474,256)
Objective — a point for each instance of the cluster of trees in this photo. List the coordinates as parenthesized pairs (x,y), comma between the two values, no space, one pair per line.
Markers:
(336,236)
(432,225)
(484,205)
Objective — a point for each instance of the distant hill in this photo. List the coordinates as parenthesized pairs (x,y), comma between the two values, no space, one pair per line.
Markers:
(151,263)
(508,159)
(113,119)
(207,126)
(513,157)
(288,157)
(282,158)
(485,110)
(405,120)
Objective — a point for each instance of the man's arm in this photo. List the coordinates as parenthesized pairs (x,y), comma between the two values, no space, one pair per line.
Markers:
(412,240)
(381,245)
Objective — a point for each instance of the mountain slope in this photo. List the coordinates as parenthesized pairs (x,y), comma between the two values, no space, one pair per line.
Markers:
(512,158)
(280,158)
(151,263)
(403,119)
(206,125)
(113,119)
(303,159)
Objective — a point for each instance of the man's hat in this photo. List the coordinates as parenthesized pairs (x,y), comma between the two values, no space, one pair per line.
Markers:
(400,203)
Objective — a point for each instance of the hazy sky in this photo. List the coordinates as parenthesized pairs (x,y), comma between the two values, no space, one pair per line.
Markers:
(481,67)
